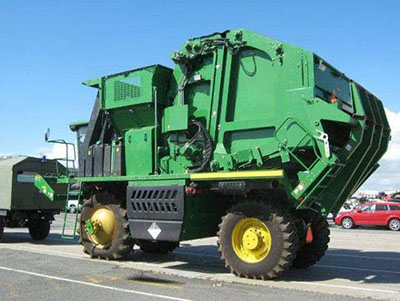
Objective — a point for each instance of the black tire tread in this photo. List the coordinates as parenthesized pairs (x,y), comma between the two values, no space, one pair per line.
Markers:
(309,254)
(121,246)
(39,230)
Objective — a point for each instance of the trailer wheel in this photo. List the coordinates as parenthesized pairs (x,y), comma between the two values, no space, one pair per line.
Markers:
(39,229)
(1,227)
(257,240)
(311,253)
(156,247)
(104,227)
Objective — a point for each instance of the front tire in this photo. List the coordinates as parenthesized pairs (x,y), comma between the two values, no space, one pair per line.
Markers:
(104,227)
(39,229)
(347,223)
(394,224)
(257,240)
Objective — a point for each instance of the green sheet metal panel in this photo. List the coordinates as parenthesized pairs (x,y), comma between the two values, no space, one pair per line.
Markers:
(254,86)
(175,118)
(139,151)
(135,87)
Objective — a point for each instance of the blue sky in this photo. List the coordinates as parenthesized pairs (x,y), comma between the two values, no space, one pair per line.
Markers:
(47,48)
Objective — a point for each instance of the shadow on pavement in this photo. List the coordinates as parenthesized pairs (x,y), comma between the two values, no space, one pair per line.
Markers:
(354,265)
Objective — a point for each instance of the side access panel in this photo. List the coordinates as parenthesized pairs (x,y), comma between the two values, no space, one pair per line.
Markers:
(155,212)
(139,151)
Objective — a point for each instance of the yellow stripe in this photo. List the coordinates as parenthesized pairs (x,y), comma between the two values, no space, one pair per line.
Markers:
(259,174)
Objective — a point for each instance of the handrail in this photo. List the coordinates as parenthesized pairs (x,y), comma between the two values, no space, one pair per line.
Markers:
(66,159)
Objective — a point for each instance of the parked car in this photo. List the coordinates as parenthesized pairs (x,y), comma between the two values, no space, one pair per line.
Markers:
(346,207)
(73,206)
(374,214)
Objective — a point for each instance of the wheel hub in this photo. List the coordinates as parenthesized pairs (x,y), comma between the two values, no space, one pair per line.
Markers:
(101,226)
(395,224)
(251,240)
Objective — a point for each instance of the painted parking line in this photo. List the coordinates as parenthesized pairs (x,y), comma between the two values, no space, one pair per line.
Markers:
(356,269)
(357,288)
(93,284)
(363,257)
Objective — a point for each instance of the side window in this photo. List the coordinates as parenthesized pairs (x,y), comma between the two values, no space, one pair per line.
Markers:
(394,207)
(381,208)
(26,177)
(366,208)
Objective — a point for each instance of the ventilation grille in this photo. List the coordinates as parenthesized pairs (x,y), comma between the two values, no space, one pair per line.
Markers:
(124,90)
(161,202)
(154,201)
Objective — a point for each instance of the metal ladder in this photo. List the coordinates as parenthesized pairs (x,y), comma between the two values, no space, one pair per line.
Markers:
(322,184)
(70,222)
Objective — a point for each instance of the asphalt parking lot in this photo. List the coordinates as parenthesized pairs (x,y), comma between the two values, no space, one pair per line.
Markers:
(361,263)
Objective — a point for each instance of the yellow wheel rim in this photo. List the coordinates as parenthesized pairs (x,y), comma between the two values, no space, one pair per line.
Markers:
(104,226)
(251,240)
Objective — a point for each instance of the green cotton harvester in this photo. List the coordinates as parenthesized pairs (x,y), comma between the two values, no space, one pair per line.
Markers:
(247,138)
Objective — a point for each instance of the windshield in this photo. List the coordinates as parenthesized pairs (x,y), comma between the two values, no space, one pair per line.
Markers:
(81,133)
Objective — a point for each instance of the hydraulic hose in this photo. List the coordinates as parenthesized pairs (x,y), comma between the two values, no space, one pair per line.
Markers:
(208,147)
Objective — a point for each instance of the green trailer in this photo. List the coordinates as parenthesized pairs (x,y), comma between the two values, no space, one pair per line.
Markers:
(247,138)
(21,204)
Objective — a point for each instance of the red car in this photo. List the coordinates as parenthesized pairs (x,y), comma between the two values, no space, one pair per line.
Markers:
(374,214)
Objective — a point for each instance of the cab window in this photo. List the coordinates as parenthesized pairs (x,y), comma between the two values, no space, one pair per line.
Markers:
(331,85)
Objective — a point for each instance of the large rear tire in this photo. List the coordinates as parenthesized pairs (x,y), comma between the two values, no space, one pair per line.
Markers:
(39,229)
(310,253)
(257,240)
(108,236)
(157,247)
